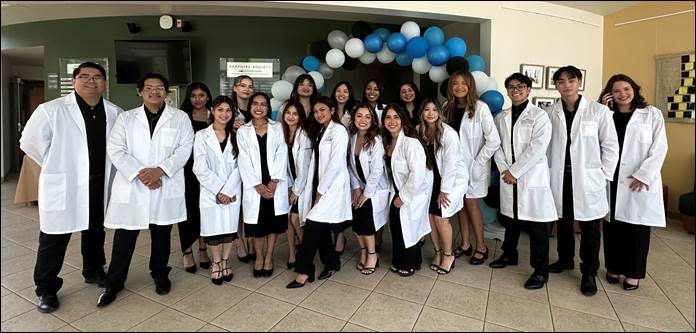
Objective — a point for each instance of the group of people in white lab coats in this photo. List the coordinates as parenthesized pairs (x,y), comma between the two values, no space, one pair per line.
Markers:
(312,175)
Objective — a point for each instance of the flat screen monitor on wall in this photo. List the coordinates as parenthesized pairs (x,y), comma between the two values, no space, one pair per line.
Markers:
(171,58)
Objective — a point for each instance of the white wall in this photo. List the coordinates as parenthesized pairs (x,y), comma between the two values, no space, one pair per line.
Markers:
(530,32)
(4,114)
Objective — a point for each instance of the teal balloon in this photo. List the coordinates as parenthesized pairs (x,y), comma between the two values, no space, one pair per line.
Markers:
(373,43)
(438,55)
(417,47)
(476,63)
(382,33)
(494,100)
(403,59)
(396,42)
(456,47)
(310,63)
(434,36)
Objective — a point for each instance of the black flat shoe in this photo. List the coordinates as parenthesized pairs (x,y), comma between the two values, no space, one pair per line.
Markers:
(244,259)
(291,265)
(503,261)
(106,298)
(559,266)
(98,278)
(612,279)
(258,272)
(163,286)
(325,274)
(48,303)
(459,251)
(479,261)
(628,286)
(536,281)
(294,284)
(588,285)
(267,272)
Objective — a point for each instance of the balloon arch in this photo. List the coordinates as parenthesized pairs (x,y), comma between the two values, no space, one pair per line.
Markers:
(429,53)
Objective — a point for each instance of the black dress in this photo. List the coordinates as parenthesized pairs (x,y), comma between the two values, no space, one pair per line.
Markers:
(402,258)
(222,238)
(267,223)
(293,173)
(190,229)
(434,208)
(363,220)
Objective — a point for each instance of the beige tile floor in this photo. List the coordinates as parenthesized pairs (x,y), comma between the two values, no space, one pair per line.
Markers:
(471,298)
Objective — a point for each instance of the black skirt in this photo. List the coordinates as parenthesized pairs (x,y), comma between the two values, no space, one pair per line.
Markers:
(434,209)
(363,220)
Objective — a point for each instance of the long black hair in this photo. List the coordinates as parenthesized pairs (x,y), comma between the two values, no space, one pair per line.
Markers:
(294,96)
(186,105)
(350,104)
(229,127)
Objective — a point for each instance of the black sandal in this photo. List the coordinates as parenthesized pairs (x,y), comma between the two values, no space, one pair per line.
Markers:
(434,267)
(204,264)
(217,281)
(190,269)
(226,277)
(479,261)
(370,270)
(441,270)
(360,266)
(460,250)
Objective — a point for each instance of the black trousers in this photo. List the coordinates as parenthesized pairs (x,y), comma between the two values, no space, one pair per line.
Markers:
(52,247)
(122,253)
(316,236)
(589,237)
(626,248)
(402,258)
(538,241)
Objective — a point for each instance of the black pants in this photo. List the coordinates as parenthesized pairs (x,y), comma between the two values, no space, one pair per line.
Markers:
(122,253)
(626,248)
(52,247)
(402,258)
(317,235)
(538,241)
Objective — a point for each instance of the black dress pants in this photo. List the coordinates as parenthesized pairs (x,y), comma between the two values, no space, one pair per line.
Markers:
(626,248)
(402,257)
(122,253)
(538,241)
(316,236)
(52,247)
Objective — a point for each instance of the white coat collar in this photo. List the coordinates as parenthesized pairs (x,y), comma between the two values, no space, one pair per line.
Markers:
(74,111)
(167,114)
(212,141)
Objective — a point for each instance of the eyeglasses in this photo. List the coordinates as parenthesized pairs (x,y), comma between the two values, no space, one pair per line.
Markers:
(151,88)
(520,87)
(259,104)
(87,78)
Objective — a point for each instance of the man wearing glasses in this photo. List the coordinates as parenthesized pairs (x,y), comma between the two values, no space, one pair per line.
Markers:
(525,194)
(67,138)
(149,147)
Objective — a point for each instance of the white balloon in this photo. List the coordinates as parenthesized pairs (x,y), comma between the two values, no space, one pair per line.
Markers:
(277,104)
(326,71)
(421,65)
(337,39)
(368,58)
(492,84)
(438,73)
(481,80)
(410,29)
(355,48)
(318,79)
(281,90)
(292,72)
(335,58)
(385,55)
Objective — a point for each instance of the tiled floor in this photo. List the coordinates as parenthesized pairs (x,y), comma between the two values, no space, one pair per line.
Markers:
(471,298)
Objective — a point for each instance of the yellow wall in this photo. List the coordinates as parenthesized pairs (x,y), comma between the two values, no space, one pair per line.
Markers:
(631,49)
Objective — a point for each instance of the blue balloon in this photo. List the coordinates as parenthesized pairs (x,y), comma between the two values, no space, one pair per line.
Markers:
(456,47)
(403,59)
(434,36)
(476,63)
(396,42)
(417,47)
(438,55)
(382,33)
(373,43)
(494,99)
(310,63)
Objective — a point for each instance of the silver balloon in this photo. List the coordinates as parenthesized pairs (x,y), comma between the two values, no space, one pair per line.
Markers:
(385,56)
(337,39)
(368,58)
(326,71)
(335,58)
(421,65)
(292,72)
(438,73)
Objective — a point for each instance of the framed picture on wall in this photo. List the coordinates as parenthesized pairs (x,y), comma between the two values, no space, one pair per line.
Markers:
(544,102)
(584,78)
(173,97)
(550,70)
(534,72)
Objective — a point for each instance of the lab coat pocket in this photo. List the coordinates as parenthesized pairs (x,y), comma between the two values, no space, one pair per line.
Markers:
(169,137)
(594,180)
(589,128)
(524,133)
(644,133)
(120,192)
(174,187)
(538,176)
(52,190)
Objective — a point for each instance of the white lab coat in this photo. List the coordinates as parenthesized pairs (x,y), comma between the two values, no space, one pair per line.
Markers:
(594,153)
(301,155)
(377,186)
(530,136)
(216,171)
(415,183)
(55,138)
(133,206)
(644,151)
(480,137)
(250,168)
(334,182)
(452,161)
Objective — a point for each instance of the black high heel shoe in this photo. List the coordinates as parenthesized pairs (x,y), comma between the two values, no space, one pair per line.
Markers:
(226,277)
(459,251)
(612,279)
(190,269)
(344,245)
(218,280)
(479,261)
(204,264)
(434,267)
(295,284)
(441,270)
(369,270)
(628,286)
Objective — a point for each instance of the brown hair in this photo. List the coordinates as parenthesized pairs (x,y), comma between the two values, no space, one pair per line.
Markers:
(372,132)
(469,100)
(638,99)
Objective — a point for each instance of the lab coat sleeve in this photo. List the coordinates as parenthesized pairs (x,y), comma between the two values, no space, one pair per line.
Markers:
(541,137)
(608,142)
(415,160)
(302,164)
(118,151)
(181,153)
(201,168)
(499,155)
(649,169)
(451,156)
(233,183)
(337,159)
(249,176)
(37,135)
(278,169)
(376,169)
(490,134)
